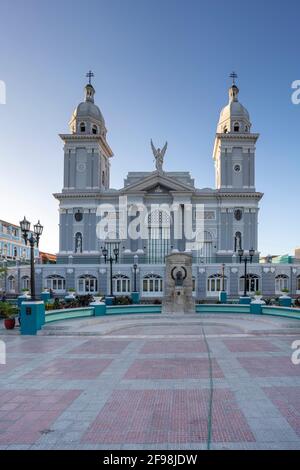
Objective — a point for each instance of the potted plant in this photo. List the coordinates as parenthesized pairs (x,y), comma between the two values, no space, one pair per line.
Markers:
(25,292)
(97,297)
(71,293)
(285,300)
(9,313)
(257,295)
(285,292)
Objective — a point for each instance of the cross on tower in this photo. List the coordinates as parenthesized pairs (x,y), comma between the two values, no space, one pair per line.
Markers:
(89,75)
(233,75)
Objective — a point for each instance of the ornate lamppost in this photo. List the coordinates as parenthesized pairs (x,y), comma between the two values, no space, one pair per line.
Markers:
(223,293)
(223,277)
(135,266)
(135,295)
(110,256)
(31,238)
(245,259)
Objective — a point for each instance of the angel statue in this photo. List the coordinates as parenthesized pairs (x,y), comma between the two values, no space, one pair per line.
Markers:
(159,156)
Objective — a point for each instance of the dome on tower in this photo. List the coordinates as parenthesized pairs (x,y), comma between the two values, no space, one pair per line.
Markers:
(87,117)
(234,117)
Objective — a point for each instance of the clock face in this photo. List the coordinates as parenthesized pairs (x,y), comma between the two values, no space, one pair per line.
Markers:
(81,167)
(238,214)
(237,168)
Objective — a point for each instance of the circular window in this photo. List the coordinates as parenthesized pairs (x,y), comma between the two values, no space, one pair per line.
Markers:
(81,167)
(238,214)
(237,168)
(78,216)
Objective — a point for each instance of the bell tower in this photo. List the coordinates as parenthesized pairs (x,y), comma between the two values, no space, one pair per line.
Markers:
(86,151)
(234,149)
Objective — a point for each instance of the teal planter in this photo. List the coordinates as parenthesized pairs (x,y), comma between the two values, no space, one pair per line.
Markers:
(285,301)
(256,308)
(45,296)
(109,300)
(99,308)
(22,298)
(223,297)
(245,300)
(32,317)
(135,297)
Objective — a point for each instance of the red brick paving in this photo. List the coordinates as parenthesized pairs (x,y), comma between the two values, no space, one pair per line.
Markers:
(36,345)
(70,369)
(250,345)
(11,364)
(173,416)
(287,400)
(269,366)
(100,346)
(25,413)
(167,346)
(179,368)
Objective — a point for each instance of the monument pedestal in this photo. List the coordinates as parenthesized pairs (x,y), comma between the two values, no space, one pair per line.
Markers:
(178,294)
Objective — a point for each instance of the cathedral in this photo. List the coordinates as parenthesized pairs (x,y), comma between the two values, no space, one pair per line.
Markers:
(94,218)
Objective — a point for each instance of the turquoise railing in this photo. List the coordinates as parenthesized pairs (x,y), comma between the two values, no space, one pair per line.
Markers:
(68,313)
(65,314)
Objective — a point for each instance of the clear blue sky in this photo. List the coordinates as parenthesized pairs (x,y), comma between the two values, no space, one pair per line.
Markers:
(161,70)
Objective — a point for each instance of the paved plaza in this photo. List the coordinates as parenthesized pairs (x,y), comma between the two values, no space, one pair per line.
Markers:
(152,382)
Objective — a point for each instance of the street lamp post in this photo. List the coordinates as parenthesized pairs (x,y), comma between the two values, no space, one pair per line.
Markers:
(110,259)
(135,266)
(245,259)
(223,277)
(31,238)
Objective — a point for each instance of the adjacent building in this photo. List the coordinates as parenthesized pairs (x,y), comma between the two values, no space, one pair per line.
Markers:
(12,245)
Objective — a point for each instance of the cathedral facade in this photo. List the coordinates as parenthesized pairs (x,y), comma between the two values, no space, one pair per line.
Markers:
(95,217)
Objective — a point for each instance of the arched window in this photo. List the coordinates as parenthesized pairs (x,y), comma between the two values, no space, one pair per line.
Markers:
(159,233)
(298,285)
(94,129)
(82,127)
(25,282)
(15,252)
(214,284)
(152,285)
(56,283)
(252,283)
(78,242)
(281,282)
(203,246)
(121,284)
(11,284)
(87,284)
(237,241)
(5,249)
(236,127)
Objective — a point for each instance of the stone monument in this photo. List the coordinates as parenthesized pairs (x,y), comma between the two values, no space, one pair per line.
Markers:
(178,296)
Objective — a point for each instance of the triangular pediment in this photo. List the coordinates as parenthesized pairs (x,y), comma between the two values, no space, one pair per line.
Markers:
(157,183)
